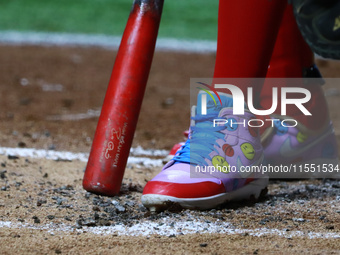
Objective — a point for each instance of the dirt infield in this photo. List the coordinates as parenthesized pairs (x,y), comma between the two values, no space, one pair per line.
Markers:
(73,81)
(50,99)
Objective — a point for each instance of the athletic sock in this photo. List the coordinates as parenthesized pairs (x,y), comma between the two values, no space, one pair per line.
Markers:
(247,32)
(292,58)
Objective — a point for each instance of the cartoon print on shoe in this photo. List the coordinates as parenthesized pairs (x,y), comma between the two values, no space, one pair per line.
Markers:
(225,147)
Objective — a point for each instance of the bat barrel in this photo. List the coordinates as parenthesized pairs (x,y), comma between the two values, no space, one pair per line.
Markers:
(118,119)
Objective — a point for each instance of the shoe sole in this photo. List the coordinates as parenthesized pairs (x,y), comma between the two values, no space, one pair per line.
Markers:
(253,190)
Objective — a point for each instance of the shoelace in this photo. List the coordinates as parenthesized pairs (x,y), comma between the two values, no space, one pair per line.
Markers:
(201,141)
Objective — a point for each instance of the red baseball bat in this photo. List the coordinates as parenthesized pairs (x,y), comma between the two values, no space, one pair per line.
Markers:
(118,119)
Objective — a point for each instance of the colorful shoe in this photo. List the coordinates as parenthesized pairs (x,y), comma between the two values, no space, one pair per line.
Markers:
(205,172)
(305,153)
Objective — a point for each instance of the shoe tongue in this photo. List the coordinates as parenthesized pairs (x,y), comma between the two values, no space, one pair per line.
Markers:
(213,103)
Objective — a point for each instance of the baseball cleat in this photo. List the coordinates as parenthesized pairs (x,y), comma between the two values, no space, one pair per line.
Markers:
(205,171)
(305,153)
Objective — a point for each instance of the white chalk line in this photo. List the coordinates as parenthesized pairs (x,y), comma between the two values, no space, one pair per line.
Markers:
(11,37)
(138,155)
(169,227)
(76,116)
(146,228)
(102,41)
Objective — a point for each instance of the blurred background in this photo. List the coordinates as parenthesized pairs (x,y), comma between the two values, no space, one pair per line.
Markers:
(51,94)
(184,19)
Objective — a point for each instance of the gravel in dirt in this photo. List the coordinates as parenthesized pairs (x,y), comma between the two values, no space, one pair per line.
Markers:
(51,98)
(45,199)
